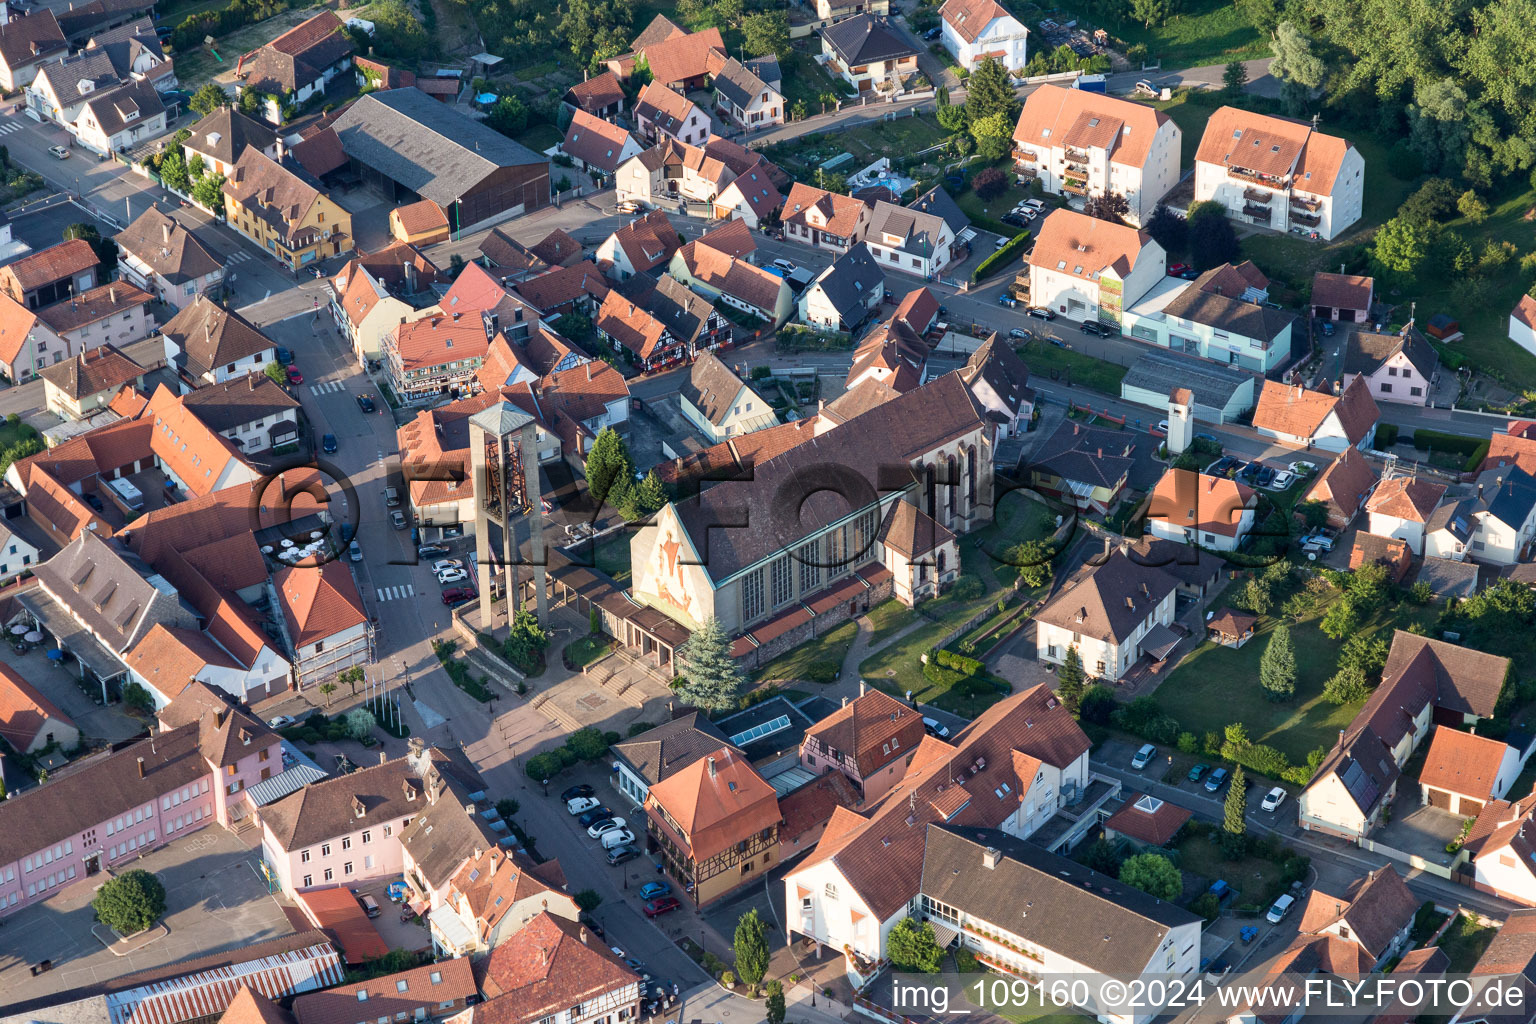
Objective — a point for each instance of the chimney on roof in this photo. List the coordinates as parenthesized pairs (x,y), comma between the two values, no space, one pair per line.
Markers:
(989,857)
(112,294)
(250,379)
(711,767)
(583,935)
(383,757)
(282,149)
(141,767)
(845,701)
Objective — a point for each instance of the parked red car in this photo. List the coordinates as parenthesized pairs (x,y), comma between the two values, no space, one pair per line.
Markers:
(1174,270)
(659,906)
(294,376)
(453,595)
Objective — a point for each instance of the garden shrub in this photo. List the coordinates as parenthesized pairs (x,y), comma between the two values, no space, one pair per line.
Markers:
(822,671)
(959,662)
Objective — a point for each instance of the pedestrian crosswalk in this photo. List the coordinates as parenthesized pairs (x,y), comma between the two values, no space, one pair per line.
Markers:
(396,593)
(11,126)
(238,256)
(328,387)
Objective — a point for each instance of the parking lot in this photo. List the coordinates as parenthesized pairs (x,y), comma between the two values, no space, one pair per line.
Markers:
(216,901)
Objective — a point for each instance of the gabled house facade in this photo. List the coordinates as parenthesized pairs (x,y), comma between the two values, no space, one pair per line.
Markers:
(1091,269)
(1113,613)
(1080,144)
(978,30)
(1279,173)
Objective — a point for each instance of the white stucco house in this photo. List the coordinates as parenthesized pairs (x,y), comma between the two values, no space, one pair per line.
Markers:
(1091,269)
(1113,613)
(978,30)
(1078,144)
(1279,173)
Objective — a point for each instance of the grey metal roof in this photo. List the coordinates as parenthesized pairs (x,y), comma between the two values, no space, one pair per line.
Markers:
(1213,385)
(1449,578)
(501,419)
(848,282)
(425,145)
(280,785)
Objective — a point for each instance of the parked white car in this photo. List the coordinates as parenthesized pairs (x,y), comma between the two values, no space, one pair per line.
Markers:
(1301,467)
(1143,756)
(447,576)
(1283,479)
(1280,908)
(606,825)
(447,563)
(617,837)
(582,804)
(1273,799)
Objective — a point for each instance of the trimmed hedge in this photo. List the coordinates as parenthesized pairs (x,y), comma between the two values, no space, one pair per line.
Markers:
(1386,435)
(1478,455)
(1458,444)
(1003,255)
(959,662)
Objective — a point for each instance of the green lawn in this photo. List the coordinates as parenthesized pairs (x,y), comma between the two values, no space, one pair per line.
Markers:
(542,136)
(866,142)
(1256,878)
(1204,32)
(888,617)
(984,213)
(1464,943)
(1063,363)
(1214,686)
(831,647)
(805,80)
(584,650)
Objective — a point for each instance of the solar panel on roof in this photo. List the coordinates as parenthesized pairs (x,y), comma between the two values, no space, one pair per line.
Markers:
(1362,788)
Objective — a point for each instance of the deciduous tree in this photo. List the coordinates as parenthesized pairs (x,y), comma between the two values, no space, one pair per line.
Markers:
(751,947)
(131,902)
(913,947)
(1152,873)
(766,33)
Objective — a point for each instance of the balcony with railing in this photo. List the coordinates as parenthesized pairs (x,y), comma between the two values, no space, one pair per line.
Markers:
(1259,213)
(1076,186)
(1267,180)
(1074,155)
(1310,205)
(1257,195)
(1310,220)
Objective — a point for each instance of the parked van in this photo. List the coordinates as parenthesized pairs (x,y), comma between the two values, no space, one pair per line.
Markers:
(370,905)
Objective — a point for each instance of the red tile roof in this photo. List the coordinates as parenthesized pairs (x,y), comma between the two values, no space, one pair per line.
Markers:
(547,967)
(1147,819)
(1406,497)
(881,855)
(24,711)
(1295,411)
(1185,499)
(319,603)
(1342,291)
(446,981)
(866,727)
(1462,762)
(338,912)
(597,93)
(54,263)
(718,801)
(682,57)
(421,217)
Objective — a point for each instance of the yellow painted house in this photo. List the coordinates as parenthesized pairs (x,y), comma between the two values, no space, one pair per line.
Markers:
(283,213)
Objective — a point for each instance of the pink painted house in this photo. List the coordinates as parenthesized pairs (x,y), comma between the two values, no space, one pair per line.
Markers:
(108,809)
(348,829)
(1397,367)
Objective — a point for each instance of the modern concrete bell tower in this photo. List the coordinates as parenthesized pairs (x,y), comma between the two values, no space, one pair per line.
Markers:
(504,458)
(1181,420)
